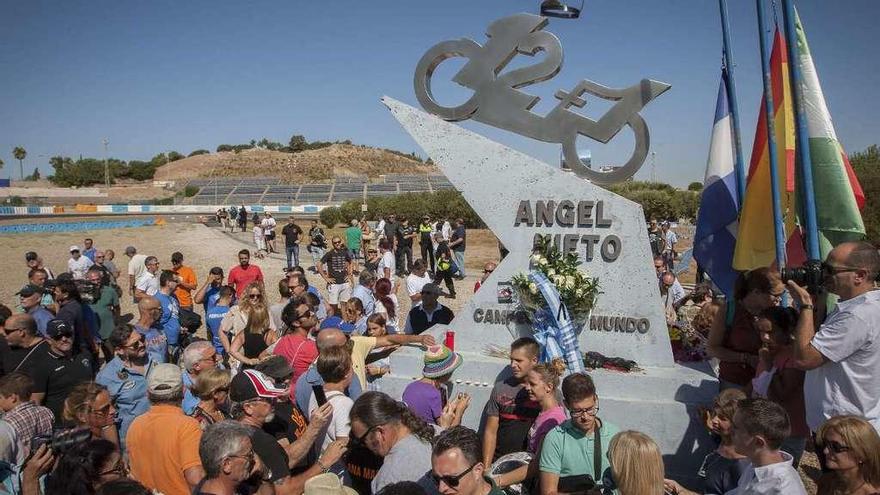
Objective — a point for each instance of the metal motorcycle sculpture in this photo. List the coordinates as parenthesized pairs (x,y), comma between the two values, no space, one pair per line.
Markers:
(497,101)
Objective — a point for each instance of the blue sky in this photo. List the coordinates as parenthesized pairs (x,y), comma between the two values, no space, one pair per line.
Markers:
(164,75)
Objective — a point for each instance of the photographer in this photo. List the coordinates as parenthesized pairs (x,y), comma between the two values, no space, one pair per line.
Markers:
(842,357)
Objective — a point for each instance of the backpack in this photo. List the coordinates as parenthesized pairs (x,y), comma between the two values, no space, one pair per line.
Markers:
(189,319)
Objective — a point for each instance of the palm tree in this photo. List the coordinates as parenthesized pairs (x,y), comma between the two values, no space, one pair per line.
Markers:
(20,153)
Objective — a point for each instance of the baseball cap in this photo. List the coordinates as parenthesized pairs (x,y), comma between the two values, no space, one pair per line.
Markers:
(58,327)
(29,290)
(431,288)
(73,248)
(30,256)
(331,322)
(326,484)
(251,384)
(165,380)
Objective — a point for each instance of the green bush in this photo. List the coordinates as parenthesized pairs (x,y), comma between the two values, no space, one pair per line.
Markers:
(190,191)
(866,165)
(199,152)
(449,204)
(331,217)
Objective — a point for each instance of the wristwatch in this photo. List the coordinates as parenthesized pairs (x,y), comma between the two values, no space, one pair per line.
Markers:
(806,306)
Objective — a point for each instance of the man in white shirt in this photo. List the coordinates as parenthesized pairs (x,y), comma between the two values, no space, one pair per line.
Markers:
(416,280)
(78,264)
(842,358)
(759,427)
(136,267)
(268,225)
(148,283)
(446,230)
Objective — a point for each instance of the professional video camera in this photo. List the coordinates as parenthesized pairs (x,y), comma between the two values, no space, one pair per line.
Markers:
(810,275)
(60,440)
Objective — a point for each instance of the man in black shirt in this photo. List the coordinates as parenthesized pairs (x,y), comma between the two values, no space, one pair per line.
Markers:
(253,397)
(70,310)
(427,313)
(391,227)
(57,368)
(338,273)
(404,254)
(22,340)
(457,243)
(292,234)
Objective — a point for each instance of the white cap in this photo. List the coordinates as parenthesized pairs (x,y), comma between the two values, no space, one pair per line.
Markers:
(73,248)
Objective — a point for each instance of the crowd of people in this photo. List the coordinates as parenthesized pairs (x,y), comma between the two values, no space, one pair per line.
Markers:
(287,392)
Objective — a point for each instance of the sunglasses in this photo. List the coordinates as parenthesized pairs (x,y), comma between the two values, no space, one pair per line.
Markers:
(361,441)
(307,314)
(450,480)
(63,335)
(9,330)
(833,270)
(836,447)
(254,296)
(488,271)
(136,344)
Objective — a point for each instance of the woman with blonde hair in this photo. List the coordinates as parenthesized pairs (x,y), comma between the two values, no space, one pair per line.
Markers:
(212,389)
(636,464)
(251,313)
(851,447)
(88,405)
(541,384)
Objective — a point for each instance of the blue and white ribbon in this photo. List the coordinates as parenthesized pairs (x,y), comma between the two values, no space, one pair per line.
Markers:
(553,327)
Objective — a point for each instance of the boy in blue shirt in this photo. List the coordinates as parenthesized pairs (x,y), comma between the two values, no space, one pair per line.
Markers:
(215,315)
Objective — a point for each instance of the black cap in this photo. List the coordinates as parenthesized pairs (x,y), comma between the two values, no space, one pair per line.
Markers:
(58,327)
(29,290)
(30,256)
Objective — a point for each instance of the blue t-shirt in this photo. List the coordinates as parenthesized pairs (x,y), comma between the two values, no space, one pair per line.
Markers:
(157,344)
(169,323)
(190,401)
(212,295)
(213,318)
(128,392)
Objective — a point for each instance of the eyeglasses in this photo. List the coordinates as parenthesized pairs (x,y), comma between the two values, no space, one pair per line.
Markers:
(119,469)
(63,335)
(833,270)
(254,296)
(136,344)
(488,271)
(337,243)
(250,456)
(450,480)
(593,411)
(362,440)
(307,314)
(836,447)
(104,411)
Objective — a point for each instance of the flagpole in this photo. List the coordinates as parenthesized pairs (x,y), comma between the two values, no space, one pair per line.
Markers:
(803,140)
(778,230)
(734,107)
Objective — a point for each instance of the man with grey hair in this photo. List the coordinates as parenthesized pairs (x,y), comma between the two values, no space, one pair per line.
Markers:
(163,443)
(148,283)
(197,357)
(364,291)
(228,458)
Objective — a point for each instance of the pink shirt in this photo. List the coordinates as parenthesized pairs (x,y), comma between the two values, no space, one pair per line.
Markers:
(299,352)
(240,278)
(545,422)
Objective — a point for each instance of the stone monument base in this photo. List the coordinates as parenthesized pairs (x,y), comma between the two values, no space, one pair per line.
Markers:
(660,402)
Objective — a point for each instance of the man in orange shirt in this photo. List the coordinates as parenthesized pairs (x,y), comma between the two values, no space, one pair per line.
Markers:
(163,443)
(187,283)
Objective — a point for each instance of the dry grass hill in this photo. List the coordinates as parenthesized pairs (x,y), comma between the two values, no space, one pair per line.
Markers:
(306,166)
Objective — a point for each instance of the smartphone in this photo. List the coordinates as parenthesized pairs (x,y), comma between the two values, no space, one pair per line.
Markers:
(320,397)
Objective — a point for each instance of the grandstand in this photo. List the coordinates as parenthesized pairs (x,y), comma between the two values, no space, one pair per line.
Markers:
(271,191)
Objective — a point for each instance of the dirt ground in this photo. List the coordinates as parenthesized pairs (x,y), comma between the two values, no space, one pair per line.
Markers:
(204,247)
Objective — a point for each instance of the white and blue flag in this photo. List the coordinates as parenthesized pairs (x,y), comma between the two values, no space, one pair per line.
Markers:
(715,238)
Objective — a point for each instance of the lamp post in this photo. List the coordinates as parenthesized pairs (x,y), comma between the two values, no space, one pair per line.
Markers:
(106,164)
(555,8)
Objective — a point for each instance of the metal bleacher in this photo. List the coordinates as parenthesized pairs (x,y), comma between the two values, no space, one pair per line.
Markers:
(272,191)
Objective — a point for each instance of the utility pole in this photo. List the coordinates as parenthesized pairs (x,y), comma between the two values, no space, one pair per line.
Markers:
(106,163)
(653,166)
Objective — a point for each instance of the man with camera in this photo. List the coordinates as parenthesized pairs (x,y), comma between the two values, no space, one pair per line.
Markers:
(842,356)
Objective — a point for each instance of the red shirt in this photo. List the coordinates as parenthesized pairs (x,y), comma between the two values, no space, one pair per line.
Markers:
(300,352)
(240,277)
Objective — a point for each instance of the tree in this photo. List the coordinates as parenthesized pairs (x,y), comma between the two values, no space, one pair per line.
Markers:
(298,143)
(199,152)
(224,147)
(866,165)
(174,156)
(1,164)
(20,153)
(695,186)
(34,176)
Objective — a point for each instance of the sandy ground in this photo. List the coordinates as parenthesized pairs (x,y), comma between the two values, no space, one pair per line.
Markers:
(204,247)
